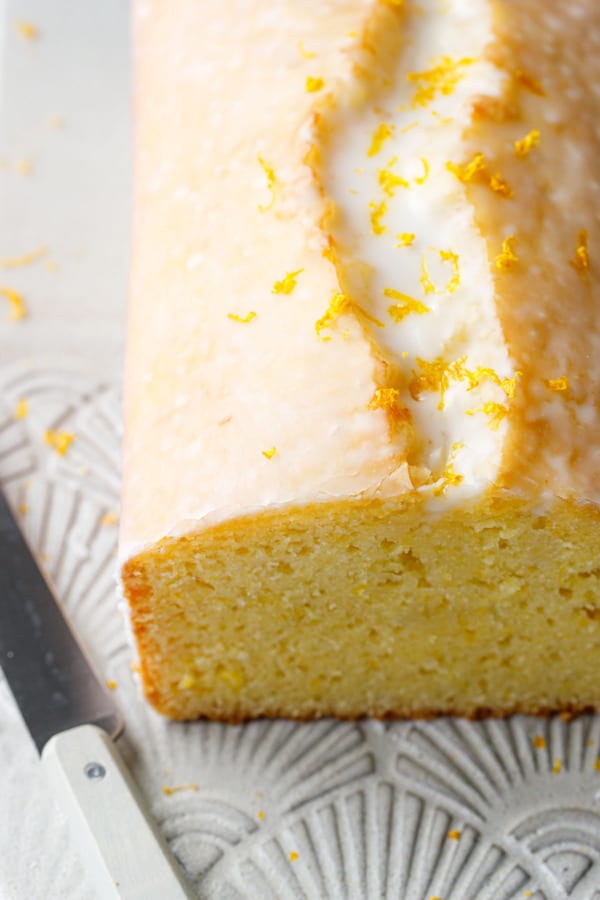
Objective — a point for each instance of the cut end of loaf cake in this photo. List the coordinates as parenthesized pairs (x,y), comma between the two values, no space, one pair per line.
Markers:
(362,454)
(371,608)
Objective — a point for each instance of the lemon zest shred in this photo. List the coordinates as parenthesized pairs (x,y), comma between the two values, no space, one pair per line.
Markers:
(466,173)
(581,263)
(500,186)
(179,787)
(313,84)
(27,30)
(271,183)
(436,375)
(496,412)
(425,279)
(450,478)
(59,440)
(442,78)
(407,305)
(557,384)
(18,309)
(24,166)
(531,84)
(381,134)
(287,283)
(243,319)
(423,178)
(507,257)
(307,54)
(21,409)
(390,182)
(452,258)
(16,262)
(406,239)
(378,211)
(339,305)
(525,145)
(269,454)
(386,398)
(477,168)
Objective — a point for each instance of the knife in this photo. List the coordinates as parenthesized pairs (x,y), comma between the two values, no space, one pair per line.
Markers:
(74,723)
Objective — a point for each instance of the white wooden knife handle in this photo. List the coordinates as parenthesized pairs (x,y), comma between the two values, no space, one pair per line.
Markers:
(120,845)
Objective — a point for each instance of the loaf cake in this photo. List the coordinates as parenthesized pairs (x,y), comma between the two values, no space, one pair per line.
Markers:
(362,393)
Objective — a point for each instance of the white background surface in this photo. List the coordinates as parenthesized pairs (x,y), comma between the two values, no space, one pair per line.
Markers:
(366,806)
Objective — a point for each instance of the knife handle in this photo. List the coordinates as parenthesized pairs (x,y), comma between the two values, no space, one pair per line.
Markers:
(120,845)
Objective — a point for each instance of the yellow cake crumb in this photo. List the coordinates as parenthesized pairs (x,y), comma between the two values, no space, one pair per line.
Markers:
(23,509)
(260,815)
(27,30)
(244,319)
(21,409)
(111,684)
(581,263)
(18,309)
(287,283)
(382,133)
(406,239)
(557,384)
(556,767)
(454,834)
(271,183)
(526,144)
(406,305)
(59,440)
(378,211)
(539,742)
(528,894)
(179,787)
(507,257)
(109,518)
(269,454)
(293,856)
(25,259)
(313,84)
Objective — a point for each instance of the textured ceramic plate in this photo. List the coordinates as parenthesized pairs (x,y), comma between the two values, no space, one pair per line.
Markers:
(447,809)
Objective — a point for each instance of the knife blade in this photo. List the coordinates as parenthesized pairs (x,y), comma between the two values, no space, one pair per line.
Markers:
(73,722)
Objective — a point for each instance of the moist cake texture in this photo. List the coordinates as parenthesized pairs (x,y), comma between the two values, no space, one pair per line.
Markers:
(362,406)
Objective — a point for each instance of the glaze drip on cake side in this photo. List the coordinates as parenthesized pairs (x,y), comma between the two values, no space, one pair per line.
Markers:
(408,250)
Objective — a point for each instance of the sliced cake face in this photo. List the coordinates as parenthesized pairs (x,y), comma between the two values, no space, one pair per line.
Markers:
(363,379)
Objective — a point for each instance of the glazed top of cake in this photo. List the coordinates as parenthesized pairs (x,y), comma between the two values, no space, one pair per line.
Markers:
(363,256)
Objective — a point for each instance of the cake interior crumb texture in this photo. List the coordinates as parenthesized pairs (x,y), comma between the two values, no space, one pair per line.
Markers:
(362,397)
(368,608)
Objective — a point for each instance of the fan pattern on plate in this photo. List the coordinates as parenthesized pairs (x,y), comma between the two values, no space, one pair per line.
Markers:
(452,809)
